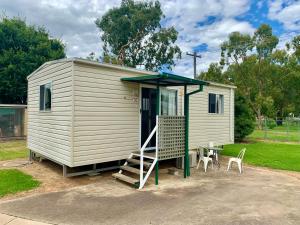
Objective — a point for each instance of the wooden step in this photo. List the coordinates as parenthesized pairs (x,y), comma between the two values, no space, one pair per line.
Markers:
(127,179)
(131,169)
(137,162)
(149,155)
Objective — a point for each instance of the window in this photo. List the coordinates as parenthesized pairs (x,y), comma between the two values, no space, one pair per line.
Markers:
(45,97)
(215,103)
(168,102)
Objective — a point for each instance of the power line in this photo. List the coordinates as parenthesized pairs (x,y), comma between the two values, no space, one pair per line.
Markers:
(195,56)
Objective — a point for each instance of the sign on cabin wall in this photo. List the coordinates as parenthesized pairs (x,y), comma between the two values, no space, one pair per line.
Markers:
(134,96)
(171,137)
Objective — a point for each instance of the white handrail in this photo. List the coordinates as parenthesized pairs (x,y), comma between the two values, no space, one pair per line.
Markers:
(142,179)
(142,154)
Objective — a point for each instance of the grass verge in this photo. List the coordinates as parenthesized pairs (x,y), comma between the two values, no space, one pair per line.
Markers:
(273,155)
(13,181)
(277,134)
(13,150)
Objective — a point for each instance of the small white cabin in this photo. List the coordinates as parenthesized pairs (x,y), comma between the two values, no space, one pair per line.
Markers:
(82,112)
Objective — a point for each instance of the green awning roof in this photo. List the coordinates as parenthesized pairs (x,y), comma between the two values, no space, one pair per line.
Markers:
(165,79)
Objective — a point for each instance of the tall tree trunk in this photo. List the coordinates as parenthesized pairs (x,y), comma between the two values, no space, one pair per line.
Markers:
(259,119)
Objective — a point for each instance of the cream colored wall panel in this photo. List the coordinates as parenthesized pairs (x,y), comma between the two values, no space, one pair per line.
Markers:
(49,133)
(205,127)
(104,107)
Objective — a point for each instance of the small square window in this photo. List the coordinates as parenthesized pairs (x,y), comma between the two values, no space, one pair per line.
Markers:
(45,97)
(215,103)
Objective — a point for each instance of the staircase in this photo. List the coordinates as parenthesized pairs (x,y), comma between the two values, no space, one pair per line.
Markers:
(130,172)
(139,163)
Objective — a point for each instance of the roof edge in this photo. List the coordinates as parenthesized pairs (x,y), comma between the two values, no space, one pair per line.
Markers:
(94,63)
(221,85)
(113,66)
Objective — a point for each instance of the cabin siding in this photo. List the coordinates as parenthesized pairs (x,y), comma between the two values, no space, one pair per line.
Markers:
(49,133)
(205,127)
(106,115)
(95,117)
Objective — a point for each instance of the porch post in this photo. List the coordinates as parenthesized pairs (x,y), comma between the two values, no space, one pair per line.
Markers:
(187,171)
(157,114)
(186,152)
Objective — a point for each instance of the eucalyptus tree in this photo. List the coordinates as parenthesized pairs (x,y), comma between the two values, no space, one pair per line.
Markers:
(133,36)
(249,57)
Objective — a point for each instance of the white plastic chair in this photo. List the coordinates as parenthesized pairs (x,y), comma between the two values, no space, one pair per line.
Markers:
(205,159)
(238,160)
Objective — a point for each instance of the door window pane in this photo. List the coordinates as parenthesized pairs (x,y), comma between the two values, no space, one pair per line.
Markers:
(168,102)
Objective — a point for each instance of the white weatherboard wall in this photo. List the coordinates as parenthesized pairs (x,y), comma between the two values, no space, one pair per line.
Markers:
(49,133)
(106,114)
(205,127)
(95,117)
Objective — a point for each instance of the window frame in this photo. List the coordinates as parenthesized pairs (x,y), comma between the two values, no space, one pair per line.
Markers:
(44,106)
(219,104)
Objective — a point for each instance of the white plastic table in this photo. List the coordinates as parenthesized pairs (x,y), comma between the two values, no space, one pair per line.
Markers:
(216,151)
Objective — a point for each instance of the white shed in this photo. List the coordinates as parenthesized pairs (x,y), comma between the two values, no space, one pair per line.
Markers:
(82,112)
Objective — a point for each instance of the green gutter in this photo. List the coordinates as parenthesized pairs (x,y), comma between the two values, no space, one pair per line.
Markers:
(187,172)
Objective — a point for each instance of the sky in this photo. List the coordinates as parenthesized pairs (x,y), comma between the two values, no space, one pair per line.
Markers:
(202,24)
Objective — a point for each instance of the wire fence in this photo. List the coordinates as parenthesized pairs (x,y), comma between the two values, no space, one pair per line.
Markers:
(287,130)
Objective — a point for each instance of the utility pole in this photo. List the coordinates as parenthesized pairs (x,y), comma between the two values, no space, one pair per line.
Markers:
(195,56)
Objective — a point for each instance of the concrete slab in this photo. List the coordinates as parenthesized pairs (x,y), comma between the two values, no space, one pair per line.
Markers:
(256,197)
(20,221)
(12,220)
(5,219)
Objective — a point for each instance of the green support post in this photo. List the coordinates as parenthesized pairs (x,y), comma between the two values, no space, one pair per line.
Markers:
(186,134)
(157,114)
(187,171)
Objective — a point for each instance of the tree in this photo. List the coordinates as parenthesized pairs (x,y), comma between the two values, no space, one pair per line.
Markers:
(133,35)
(23,49)
(214,73)
(249,59)
(244,121)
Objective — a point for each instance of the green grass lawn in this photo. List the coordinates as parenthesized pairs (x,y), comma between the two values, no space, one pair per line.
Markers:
(280,133)
(13,150)
(274,155)
(13,181)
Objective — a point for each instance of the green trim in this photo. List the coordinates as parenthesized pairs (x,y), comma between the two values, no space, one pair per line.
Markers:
(156,172)
(165,79)
(186,134)
(187,171)
(157,113)
(196,91)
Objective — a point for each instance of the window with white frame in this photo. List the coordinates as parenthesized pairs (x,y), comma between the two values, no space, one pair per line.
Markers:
(45,97)
(215,103)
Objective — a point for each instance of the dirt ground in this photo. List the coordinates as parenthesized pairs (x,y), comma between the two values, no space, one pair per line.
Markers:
(258,196)
(50,176)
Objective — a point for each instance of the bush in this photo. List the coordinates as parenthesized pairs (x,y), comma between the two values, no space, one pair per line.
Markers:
(244,118)
(271,123)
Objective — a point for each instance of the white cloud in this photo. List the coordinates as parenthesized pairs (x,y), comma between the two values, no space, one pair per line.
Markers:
(68,20)
(73,22)
(286,12)
(184,17)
